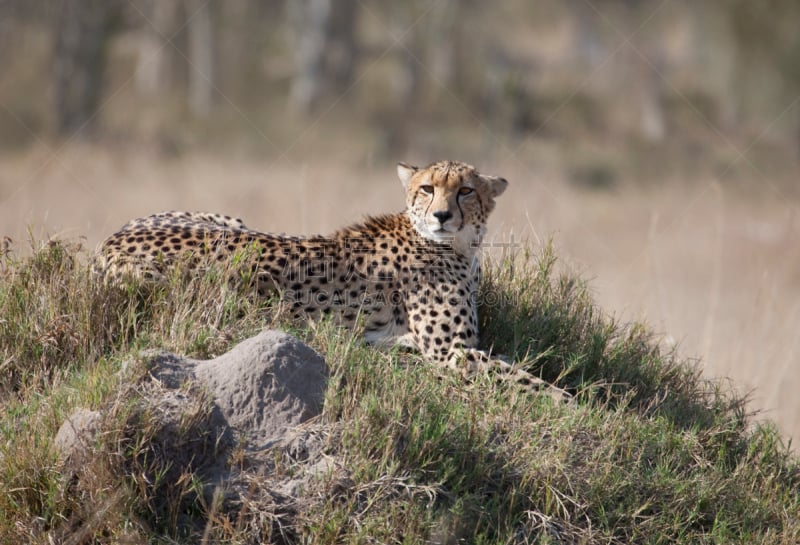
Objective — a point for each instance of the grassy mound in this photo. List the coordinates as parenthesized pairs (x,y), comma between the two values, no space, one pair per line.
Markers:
(647,453)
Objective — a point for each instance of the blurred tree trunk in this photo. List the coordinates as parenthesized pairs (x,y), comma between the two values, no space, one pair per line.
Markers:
(652,124)
(342,54)
(589,47)
(156,63)
(646,63)
(311,20)
(202,51)
(82,30)
(453,44)
(325,50)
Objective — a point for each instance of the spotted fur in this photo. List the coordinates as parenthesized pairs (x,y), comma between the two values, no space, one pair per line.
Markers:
(410,278)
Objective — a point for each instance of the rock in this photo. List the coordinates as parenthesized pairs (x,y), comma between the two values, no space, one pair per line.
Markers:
(195,414)
(76,436)
(263,386)
(266,385)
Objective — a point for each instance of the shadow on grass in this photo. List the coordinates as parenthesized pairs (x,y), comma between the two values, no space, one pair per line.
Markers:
(546,320)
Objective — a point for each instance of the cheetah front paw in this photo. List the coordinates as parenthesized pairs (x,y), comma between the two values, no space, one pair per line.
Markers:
(473,361)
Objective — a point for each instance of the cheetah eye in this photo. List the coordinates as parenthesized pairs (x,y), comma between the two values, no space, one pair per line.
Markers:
(465,191)
(428,189)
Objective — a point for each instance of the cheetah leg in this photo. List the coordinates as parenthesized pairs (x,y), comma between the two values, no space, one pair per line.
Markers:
(406,341)
(471,361)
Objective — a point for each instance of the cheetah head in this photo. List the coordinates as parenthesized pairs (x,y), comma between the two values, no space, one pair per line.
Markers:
(450,202)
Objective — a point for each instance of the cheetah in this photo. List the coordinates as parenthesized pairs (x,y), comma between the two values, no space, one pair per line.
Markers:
(408,279)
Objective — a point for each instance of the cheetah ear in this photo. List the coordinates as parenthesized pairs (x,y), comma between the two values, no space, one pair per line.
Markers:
(496,185)
(405,172)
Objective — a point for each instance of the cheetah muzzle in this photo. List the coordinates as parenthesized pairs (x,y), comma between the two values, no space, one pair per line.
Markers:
(409,278)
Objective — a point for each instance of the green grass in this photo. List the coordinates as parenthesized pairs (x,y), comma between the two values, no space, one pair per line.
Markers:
(648,452)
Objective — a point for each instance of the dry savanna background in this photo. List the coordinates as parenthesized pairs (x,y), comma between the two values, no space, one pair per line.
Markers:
(656,142)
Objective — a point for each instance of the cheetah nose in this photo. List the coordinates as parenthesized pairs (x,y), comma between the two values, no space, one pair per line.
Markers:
(442,216)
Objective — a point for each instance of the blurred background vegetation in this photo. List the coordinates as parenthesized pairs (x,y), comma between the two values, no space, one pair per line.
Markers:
(639,88)
(657,140)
